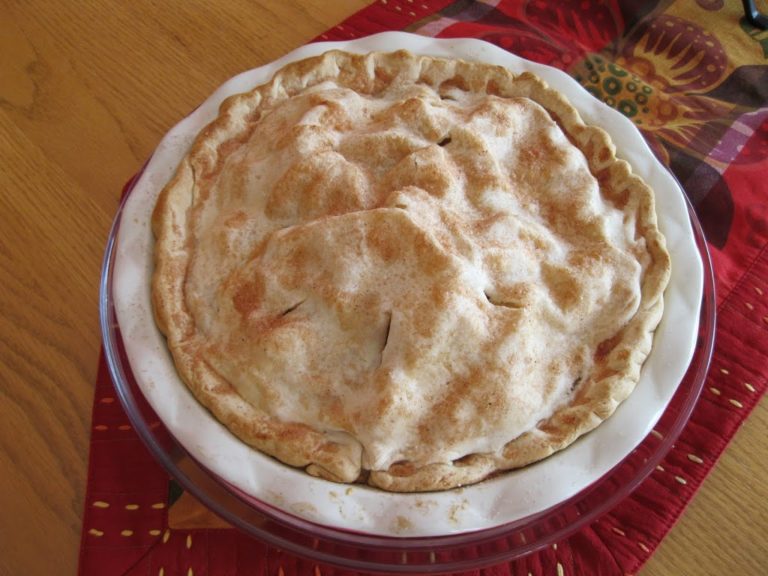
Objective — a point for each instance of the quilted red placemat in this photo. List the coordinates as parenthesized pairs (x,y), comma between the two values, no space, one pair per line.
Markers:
(694,78)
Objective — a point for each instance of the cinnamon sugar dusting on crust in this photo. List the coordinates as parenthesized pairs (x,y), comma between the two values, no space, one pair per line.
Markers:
(407,271)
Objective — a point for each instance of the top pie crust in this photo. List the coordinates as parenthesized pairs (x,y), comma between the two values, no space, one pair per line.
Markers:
(405,270)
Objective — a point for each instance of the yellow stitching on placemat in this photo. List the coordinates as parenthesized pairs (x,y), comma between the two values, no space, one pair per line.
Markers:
(694,458)
(736,403)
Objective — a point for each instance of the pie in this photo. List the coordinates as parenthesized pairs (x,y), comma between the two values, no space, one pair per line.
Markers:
(406,271)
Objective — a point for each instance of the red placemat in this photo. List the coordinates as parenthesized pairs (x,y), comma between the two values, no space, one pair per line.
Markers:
(694,79)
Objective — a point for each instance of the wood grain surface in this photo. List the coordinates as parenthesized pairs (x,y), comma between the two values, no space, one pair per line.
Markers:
(87,89)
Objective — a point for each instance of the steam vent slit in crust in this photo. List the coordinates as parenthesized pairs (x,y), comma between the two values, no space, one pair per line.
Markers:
(408,271)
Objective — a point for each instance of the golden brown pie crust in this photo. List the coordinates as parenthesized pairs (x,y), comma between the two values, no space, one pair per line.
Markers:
(408,271)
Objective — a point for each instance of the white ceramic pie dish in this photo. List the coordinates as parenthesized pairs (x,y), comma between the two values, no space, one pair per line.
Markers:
(510,497)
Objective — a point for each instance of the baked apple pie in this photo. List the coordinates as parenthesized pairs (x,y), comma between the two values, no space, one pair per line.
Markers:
(406,271)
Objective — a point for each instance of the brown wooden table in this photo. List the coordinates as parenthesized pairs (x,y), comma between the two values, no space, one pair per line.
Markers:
(87,89)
